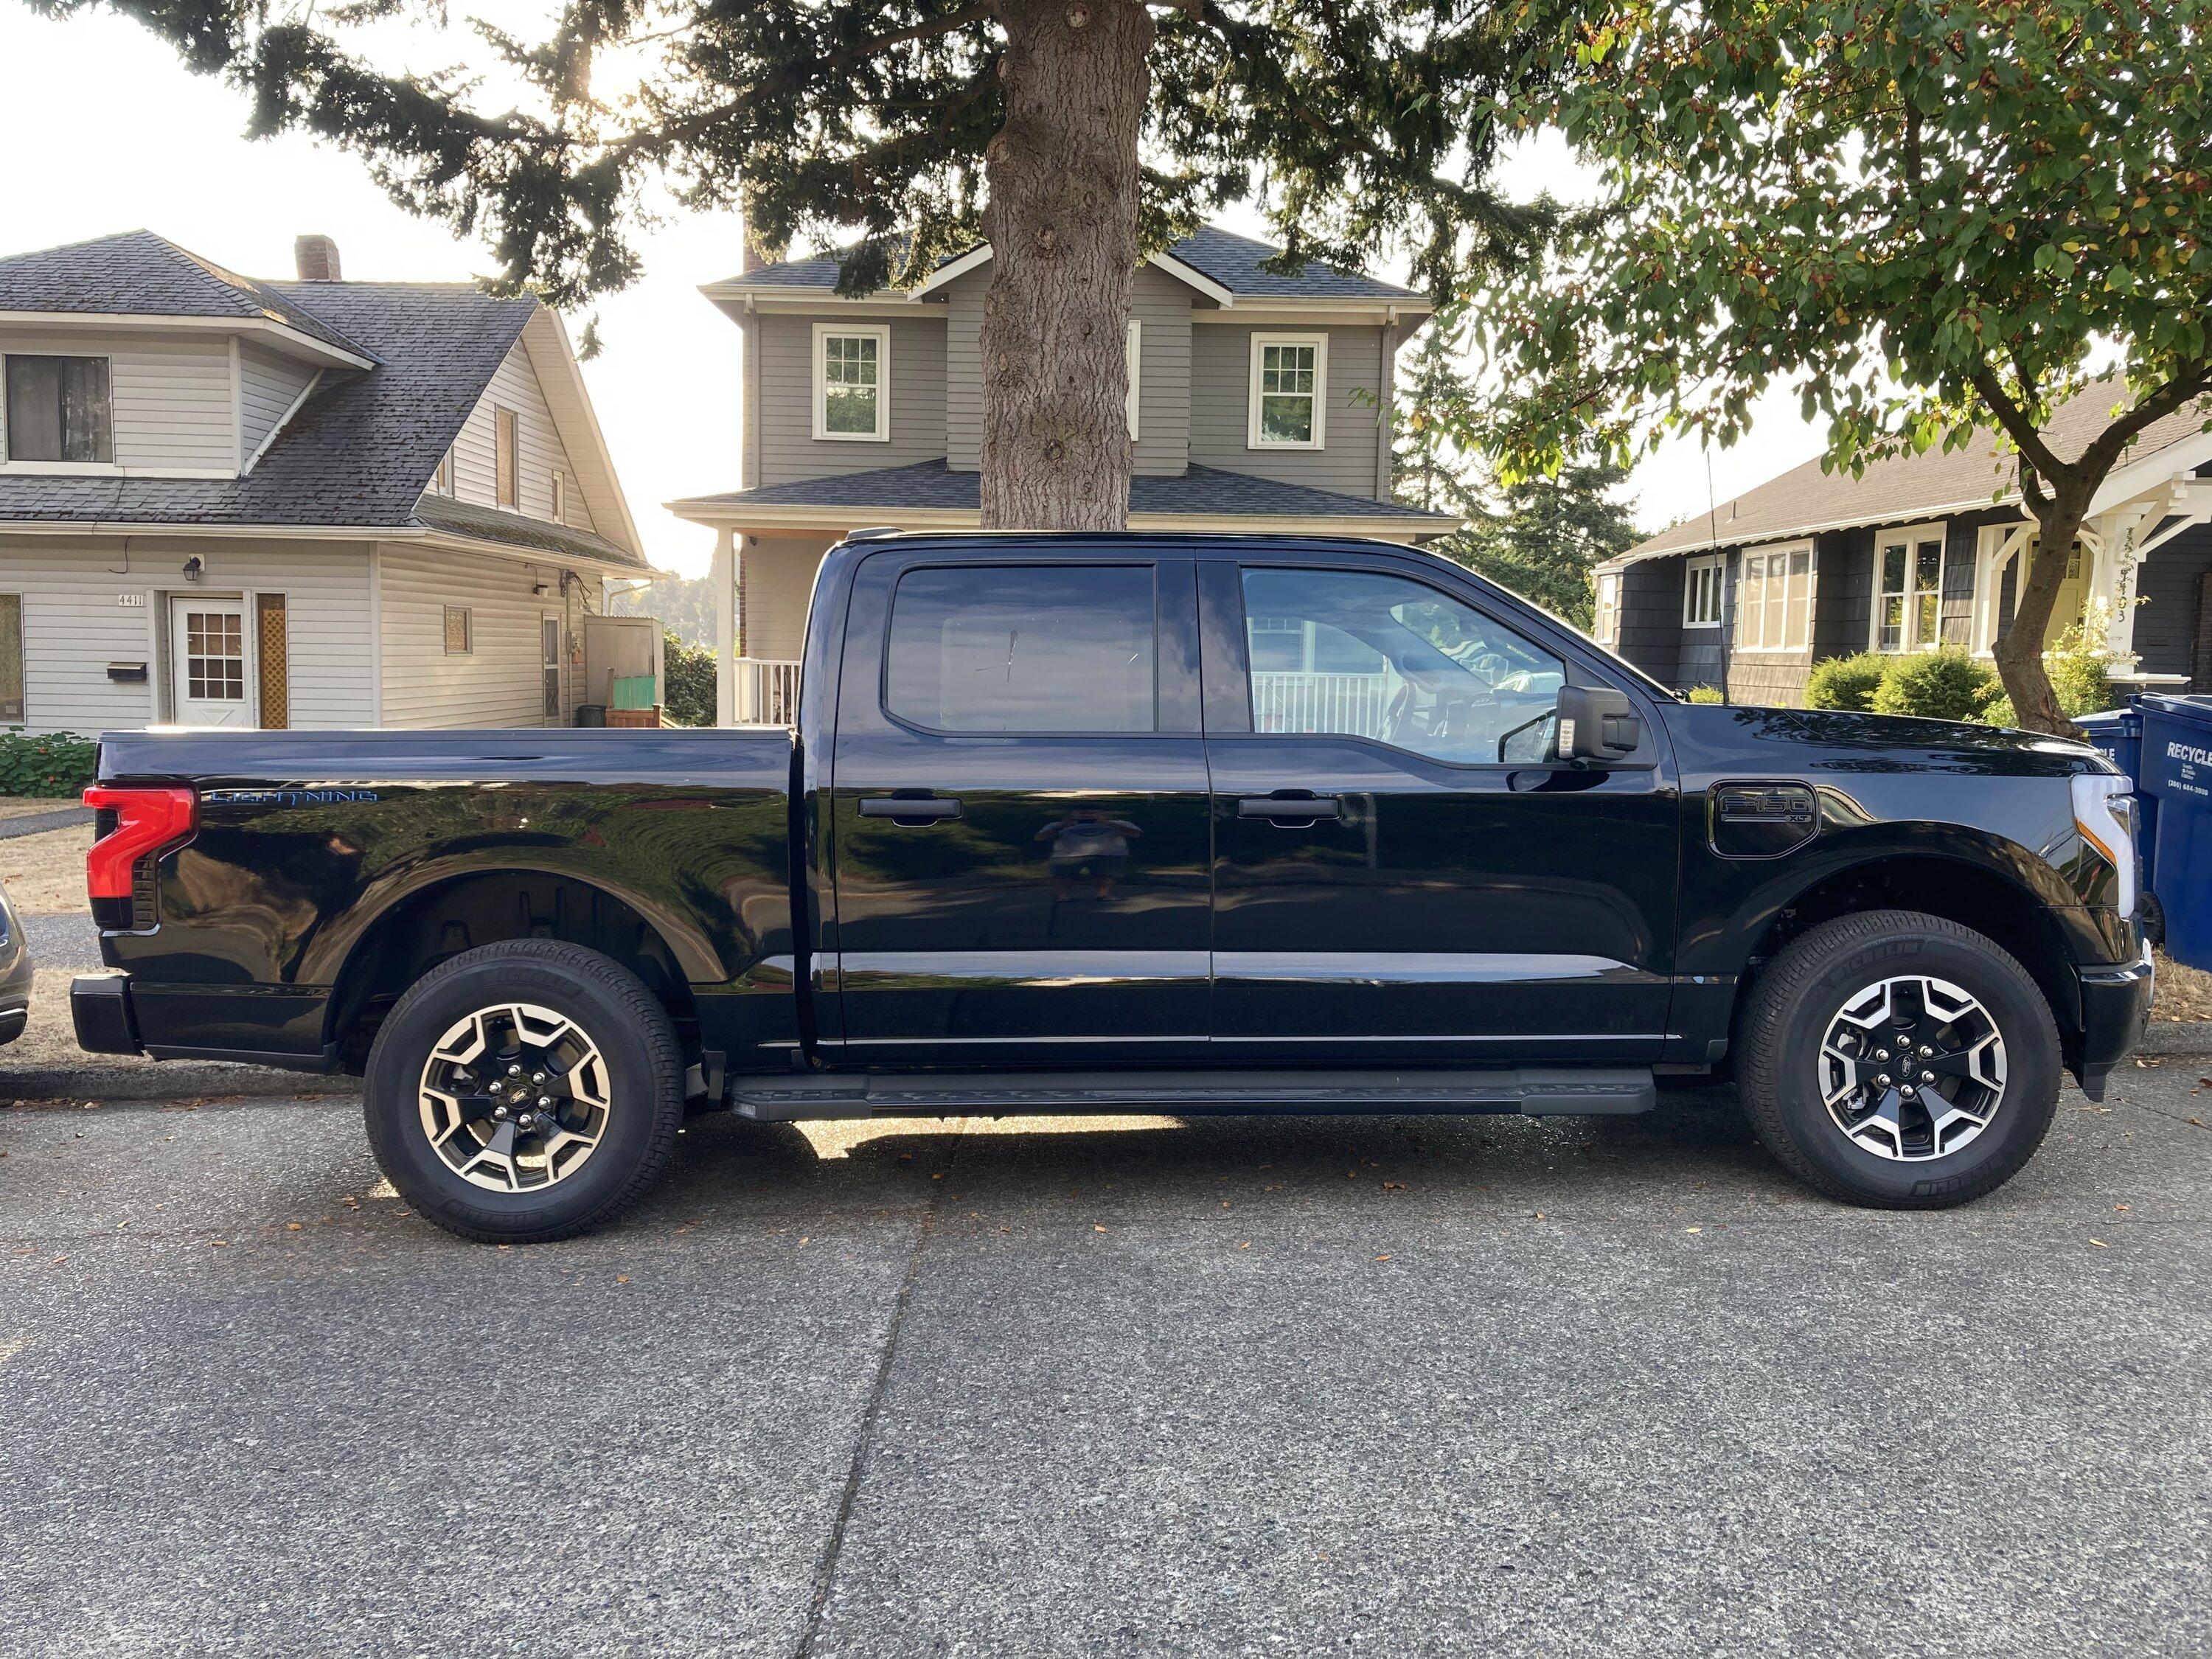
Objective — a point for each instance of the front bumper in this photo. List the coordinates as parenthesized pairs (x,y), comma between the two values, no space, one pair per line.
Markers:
(2115,1010)
(100,1007)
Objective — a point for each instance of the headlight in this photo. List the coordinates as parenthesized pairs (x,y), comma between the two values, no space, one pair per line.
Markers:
(2105,813)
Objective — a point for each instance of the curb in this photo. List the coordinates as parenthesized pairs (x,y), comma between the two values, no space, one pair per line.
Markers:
(169,1081)
(2177,1036)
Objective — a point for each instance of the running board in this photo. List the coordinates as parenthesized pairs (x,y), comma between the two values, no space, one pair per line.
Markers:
(1535,1092)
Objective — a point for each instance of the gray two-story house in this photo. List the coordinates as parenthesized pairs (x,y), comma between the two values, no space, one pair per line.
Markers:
(1258,401)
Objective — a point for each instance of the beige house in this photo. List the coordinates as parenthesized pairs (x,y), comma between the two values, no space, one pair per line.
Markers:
(1920,551)
(1258,401)
(308,503)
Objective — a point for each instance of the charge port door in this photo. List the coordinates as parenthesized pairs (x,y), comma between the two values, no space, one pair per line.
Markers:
(1763,820)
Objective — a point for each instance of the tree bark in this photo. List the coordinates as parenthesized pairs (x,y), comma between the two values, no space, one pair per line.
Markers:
(2019,654)
(1062,223)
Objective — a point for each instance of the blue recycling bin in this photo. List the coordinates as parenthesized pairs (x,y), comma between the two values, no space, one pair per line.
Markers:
(2175,778)
(2117,734)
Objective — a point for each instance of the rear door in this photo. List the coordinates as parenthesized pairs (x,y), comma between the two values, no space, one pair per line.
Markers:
(1402,867)
(1018,835)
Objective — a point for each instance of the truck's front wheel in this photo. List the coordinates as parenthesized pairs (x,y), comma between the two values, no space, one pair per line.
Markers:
(525,1091)
(1898,1060)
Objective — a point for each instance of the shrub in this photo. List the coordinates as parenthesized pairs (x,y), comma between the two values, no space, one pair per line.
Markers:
(1944,684)
(1706,694)
(57,766)
(1846,682)
(687,682)
(2080,671)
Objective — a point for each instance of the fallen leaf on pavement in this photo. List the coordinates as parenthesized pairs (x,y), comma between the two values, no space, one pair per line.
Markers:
(2101,1244)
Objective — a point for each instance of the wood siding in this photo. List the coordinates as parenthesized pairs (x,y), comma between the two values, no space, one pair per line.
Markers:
(1220,386)
(2170,582)
(915,386)
(498,682)
(73,626)
(173,403)
(267,384)
(475,450)
(776,580)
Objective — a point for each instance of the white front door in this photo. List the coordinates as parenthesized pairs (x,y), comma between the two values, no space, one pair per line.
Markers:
(207,663)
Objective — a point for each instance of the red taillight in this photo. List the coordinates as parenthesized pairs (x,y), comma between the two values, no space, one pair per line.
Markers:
(145,822)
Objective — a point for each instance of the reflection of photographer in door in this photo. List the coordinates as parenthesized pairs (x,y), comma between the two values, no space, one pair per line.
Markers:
(1087,846)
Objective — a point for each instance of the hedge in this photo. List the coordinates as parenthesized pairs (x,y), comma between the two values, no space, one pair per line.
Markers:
(55,767)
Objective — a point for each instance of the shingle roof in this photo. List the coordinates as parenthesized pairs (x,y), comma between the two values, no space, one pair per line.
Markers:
(361,451)
(1903,488)
(138,274)
(1231,260)
(1200,491)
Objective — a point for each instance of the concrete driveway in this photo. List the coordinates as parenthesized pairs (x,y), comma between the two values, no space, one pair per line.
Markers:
(1134,1385)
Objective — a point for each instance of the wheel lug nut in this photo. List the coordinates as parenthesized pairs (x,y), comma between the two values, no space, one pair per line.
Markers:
(1881,1054)
(1925,1051)
(515,1070)
(498,1111)
(547,1100)
(1927,1077)
(537,1077)
(1882,1081)
(1907,1091)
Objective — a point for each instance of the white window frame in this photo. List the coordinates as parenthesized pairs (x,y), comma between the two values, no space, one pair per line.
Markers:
(1910,536)
(506,480)
(1792,597)
(1132,351)
(1606,619)
(560,496)
(1716,566)
(1252,438)
(881,334)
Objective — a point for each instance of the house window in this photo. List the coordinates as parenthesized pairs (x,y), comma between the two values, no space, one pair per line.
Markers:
(441,480)
(11,658)
(1701,592)
(1608,608)
(852,378)
(460,631)
(560,496)
(59,409)
(1908,604)
(1290,390)
(508,442)
(1133,349)
(1774,600)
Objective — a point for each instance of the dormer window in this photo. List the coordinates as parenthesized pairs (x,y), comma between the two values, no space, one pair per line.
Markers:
(59,409)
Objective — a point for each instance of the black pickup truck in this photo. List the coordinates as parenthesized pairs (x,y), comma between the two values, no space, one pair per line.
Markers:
(1087,823)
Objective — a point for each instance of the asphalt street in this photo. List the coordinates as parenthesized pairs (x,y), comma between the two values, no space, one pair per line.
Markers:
(1122,1386)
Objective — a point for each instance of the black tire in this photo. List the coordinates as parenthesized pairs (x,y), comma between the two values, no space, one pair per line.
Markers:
(1797,997)
(644,1069)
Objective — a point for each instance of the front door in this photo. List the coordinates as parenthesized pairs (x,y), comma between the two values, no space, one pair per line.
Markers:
(1017,813)
(1403,870)
(207,662)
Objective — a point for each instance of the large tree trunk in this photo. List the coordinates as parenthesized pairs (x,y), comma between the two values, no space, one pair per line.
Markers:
(2019,653)
(1062,223)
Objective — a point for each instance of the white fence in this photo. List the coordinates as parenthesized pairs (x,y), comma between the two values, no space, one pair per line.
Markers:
(1352,703)
(767,691)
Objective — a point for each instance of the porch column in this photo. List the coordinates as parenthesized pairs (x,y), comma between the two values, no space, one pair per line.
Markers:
(726,627)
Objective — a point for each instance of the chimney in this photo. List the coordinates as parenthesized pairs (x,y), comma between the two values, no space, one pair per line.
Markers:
(317,258)
(755,258)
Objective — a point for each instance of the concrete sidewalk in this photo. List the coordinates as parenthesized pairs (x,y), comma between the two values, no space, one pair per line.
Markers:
(1131,1386)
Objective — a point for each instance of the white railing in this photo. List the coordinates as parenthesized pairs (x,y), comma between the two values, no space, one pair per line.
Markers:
(767,691)
(1353,703)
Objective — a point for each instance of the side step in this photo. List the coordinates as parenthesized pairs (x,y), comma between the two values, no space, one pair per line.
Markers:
(1533,1091)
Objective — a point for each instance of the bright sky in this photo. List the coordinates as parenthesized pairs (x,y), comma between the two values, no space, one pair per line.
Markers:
(163,153)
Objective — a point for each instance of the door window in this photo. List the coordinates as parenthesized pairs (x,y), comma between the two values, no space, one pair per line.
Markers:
(215,656)
(1365,654)
(1043,649)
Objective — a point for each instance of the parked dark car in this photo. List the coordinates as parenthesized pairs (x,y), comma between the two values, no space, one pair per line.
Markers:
(1088,823)
(15,973)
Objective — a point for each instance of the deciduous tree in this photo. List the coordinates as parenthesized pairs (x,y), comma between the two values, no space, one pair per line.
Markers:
(1944,217)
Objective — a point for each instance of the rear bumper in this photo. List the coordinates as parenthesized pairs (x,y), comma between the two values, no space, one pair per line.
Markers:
(100,1007)
(2115,1009)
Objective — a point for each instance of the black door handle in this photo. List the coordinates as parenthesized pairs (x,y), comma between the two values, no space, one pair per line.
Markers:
(1288,810)
(910,809)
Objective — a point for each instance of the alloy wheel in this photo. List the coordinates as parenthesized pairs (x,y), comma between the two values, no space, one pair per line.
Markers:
(514,1097)
(1911,1068)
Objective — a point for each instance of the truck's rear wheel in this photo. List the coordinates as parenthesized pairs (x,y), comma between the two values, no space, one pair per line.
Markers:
(1898,1060)
(523,1092)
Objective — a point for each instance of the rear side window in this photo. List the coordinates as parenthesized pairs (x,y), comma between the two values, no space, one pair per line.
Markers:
(1033,648)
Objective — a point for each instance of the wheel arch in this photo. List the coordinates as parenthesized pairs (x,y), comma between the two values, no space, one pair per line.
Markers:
(458,910)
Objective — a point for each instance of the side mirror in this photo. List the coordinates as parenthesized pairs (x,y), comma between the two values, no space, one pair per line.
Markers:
(1597,724)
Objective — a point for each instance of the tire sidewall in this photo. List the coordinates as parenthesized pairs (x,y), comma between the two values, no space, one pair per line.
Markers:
(393,1078)
(2032,1067)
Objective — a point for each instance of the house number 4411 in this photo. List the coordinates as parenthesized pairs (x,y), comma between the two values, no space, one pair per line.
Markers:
(129,601)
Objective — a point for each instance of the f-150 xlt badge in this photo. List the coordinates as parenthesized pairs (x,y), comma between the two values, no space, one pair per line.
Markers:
(286,797)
